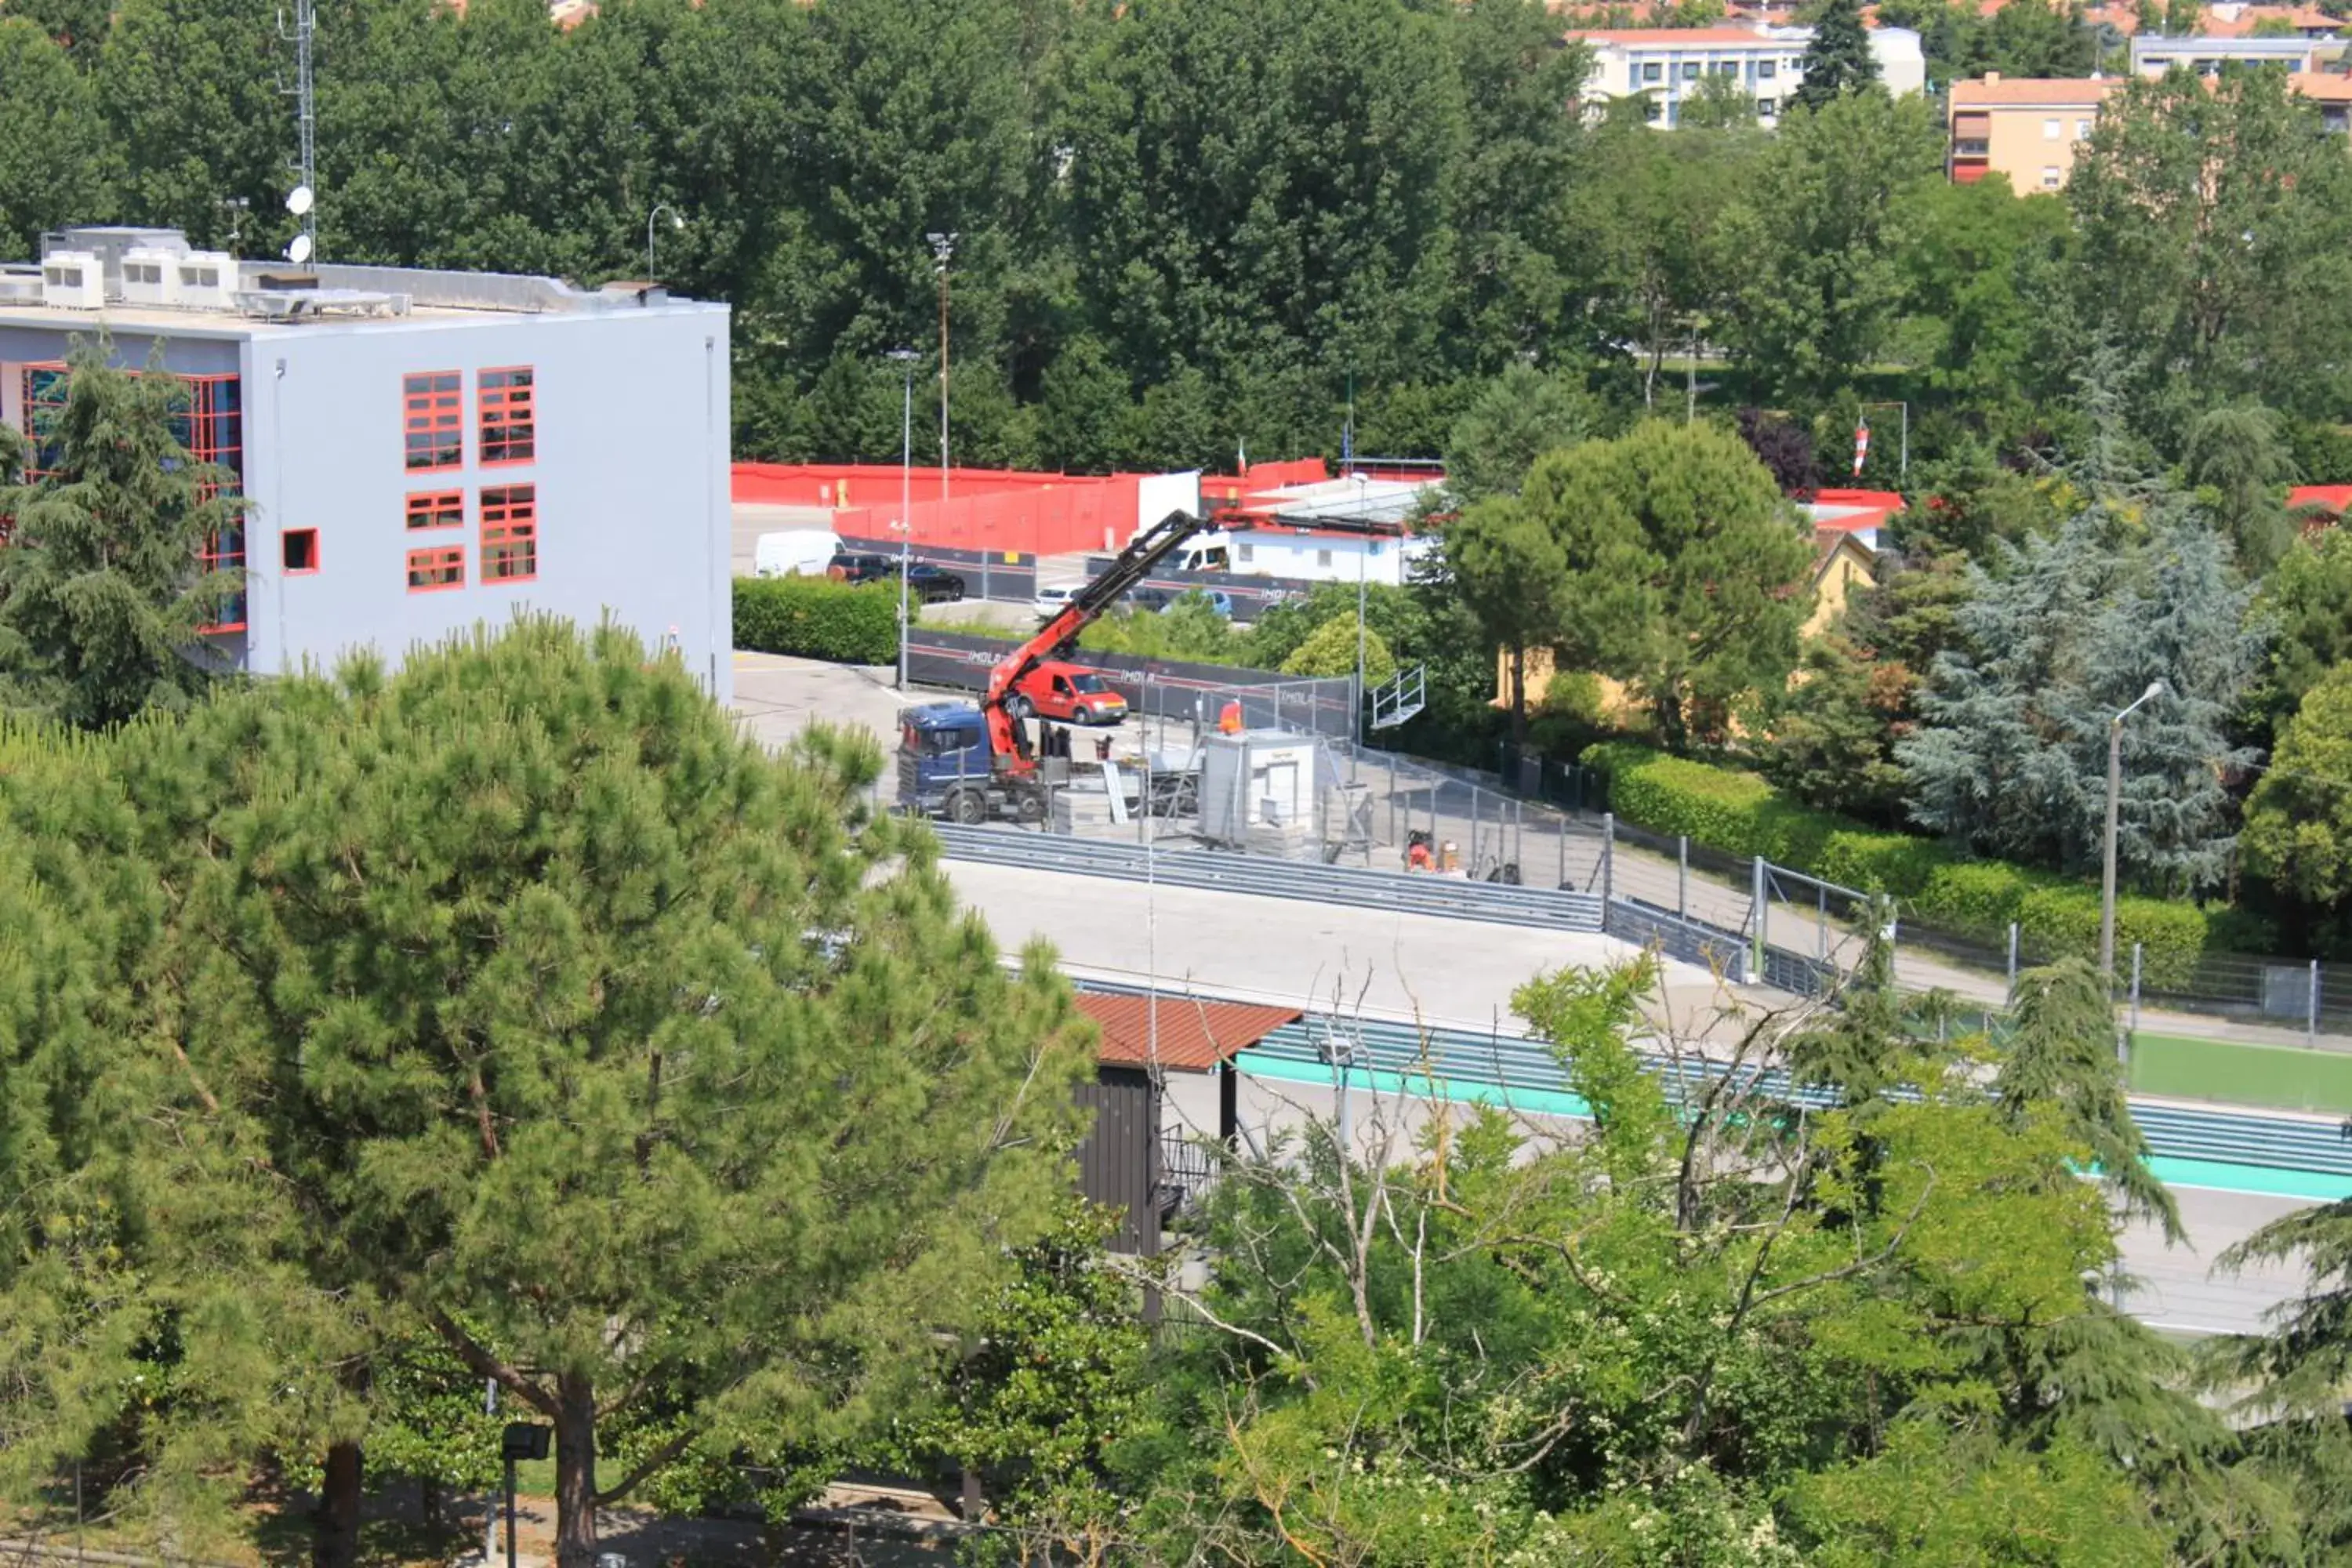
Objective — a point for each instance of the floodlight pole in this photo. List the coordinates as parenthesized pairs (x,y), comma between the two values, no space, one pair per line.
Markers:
(906,358)
(943,252)
(2107,868)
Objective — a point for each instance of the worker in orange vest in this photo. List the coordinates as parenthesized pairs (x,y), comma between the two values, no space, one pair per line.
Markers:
(1228,718)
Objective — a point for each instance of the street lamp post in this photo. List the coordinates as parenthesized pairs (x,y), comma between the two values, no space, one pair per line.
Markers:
(906,358)
(1363,553)
(676,223)
(943,252)
(2108,870)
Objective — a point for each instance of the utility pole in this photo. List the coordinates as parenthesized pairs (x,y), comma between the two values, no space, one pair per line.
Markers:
(943,252)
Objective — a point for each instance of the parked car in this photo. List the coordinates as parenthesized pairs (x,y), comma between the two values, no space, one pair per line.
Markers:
(861,566)
(1147,600)
(1219,601)
(1052,602)
(933,585)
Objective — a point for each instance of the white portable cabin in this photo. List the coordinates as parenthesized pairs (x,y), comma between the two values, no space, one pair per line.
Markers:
(1262,791)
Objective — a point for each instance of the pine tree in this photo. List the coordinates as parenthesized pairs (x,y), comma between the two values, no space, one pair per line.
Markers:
(638,1065)
(1837,61)
(101,599)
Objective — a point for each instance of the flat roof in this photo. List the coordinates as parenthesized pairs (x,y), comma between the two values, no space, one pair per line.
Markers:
(2044,92)
(232,327)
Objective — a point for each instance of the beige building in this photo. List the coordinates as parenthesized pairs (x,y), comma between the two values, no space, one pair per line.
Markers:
(2026,129)
(2030,129)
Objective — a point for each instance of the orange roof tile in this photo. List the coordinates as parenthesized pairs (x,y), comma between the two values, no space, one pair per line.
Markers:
(2324,87)
(1194,1033)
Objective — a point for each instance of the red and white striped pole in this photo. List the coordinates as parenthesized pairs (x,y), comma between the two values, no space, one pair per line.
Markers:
(1861,444)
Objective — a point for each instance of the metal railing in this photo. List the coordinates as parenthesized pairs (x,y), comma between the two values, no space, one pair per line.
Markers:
(1496,1060)
(1266,877)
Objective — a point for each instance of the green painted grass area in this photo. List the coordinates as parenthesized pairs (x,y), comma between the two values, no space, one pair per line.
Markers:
(2279,1077)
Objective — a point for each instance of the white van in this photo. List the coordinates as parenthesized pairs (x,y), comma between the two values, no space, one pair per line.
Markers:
(1203,552)
(800,553)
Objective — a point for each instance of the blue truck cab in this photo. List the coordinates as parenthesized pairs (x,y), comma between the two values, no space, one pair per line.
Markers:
(945,769)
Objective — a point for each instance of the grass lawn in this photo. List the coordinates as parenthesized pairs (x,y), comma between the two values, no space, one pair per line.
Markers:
(2275,1075)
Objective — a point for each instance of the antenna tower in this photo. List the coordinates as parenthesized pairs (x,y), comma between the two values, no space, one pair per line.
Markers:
(303,203)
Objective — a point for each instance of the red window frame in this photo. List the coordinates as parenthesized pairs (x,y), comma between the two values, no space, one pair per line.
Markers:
(506,402)
(437,568)
(287,537)
(437,509)
(509,534)
(433,431)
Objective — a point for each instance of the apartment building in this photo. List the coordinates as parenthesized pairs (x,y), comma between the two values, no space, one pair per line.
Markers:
(2026,129)
(2153,54)
(422,451)
(2032,130)
(1663,66)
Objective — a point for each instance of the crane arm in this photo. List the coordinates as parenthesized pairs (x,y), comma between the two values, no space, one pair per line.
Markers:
(1053,639)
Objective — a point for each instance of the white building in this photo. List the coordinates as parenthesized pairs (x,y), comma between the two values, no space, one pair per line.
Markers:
(1666,64)
(2153,54)
(1330,530)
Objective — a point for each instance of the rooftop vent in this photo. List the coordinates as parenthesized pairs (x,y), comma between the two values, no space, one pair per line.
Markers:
(317,304)
(73,280)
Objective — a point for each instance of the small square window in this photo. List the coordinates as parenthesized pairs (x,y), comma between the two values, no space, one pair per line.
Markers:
(442,567)
(2050,130)
(1764,107)
(2049,178)
(1764,70)
(2082,131)
(1322,558)
(437,509)
(1690,70)
(1652,71)
(299,550)
(1249,550)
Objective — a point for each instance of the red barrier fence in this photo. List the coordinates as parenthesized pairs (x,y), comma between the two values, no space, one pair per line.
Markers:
(996,510)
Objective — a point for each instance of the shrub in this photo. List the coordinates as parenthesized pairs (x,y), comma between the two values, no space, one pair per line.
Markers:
(2064,922)
(1894,863)
(818,618)
(1329,650)
(1740,813)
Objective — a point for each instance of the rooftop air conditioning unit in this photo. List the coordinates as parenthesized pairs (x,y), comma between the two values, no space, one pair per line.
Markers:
(206,280)
(73,281)
(150,277)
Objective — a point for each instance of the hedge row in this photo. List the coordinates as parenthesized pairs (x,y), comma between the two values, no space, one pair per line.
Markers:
(1740,813)
(816,617)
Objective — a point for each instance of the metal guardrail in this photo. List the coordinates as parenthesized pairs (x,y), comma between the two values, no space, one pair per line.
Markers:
(1265,877)
(2275,1142)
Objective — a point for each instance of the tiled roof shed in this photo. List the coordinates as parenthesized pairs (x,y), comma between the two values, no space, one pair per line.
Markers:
(1194,1033)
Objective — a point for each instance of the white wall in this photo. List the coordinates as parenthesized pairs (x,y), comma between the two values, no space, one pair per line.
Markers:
(1325,558)
(1156,495)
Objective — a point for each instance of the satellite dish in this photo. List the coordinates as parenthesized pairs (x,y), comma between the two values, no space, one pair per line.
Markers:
(299,251)
(300,200)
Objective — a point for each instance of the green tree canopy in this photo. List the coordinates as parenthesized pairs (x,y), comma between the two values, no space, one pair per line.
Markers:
(52,142)
(1332,651)
(1517,418)
(1838,61)
(1684,569)
(2299,818)
(636,1063)
(102,598)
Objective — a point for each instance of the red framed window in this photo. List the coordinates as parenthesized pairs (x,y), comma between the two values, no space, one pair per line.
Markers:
(435,405)
(510,419)
(299,550)
(442,567)
(509,534)
(437,509)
